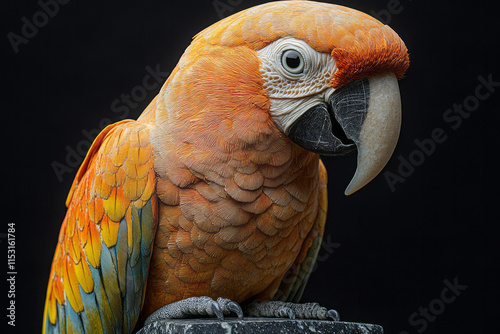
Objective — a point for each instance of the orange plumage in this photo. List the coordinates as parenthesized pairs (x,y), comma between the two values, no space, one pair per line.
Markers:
(115,182)
(204,183)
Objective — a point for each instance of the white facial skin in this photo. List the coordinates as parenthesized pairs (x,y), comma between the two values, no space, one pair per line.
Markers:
(295,89)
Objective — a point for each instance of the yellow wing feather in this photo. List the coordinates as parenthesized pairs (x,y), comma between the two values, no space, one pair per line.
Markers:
(106,236)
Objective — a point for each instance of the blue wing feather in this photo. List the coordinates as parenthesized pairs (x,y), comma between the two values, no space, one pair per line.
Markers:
(115,293)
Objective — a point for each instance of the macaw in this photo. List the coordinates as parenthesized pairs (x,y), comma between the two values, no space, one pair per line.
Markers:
(215,197)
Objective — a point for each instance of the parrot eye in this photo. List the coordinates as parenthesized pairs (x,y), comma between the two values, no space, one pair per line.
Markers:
(292,61)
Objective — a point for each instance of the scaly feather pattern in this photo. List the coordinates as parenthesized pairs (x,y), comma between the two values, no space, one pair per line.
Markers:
(237,199)
(100,266)
(295,280)
(240,208)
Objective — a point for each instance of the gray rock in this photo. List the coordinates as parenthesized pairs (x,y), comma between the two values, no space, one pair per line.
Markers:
(257,326)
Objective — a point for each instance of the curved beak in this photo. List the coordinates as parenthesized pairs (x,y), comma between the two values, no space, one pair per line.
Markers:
(366,114)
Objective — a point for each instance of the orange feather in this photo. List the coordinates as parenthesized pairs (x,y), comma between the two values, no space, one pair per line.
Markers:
(237,205)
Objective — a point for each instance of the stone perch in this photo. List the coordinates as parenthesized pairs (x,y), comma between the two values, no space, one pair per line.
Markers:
(257,326)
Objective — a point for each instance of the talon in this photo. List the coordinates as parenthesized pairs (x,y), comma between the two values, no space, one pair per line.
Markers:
(333,314)
(235,308)
(217,311)
(286,312)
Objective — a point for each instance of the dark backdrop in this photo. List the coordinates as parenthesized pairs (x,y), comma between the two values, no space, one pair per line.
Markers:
(394,248)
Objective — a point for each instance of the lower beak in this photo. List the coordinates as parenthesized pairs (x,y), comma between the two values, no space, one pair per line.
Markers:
(366,114)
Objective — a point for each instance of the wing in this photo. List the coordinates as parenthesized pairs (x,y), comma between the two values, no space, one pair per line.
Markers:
(98,275)
(295,280)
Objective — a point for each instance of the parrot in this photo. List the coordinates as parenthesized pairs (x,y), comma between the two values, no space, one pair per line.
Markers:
(214,201)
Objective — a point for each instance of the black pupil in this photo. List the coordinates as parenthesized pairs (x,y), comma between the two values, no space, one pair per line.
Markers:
(293,59)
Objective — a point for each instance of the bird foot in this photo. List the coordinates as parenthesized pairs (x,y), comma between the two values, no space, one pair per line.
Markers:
(279,309)
(196,306)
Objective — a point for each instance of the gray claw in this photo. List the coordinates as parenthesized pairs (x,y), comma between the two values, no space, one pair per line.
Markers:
(217,311)
(333,314)
(286,312)
(228,306)
(236,308)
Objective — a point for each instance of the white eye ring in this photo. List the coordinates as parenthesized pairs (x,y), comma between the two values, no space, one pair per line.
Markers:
(292,61)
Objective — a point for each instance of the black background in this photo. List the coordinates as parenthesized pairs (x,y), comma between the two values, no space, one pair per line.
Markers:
(393,250)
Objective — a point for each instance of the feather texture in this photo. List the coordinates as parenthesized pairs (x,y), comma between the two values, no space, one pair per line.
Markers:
(99,271)
(204,195)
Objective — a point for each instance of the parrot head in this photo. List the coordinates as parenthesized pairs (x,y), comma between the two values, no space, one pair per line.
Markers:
(325,74)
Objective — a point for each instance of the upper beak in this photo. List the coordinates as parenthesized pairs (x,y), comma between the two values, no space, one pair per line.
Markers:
(366,114)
